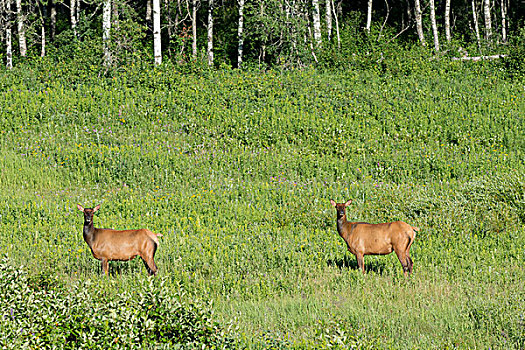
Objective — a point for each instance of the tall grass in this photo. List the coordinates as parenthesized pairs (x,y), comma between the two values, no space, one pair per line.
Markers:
(236,169)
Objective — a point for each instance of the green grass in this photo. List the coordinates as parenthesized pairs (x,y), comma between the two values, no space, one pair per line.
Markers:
(236,170)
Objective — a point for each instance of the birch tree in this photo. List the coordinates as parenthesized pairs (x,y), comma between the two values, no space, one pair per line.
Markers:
(148,10)
(106,29)
(369,16)
(504,21)
(419,22)
(447,21)
(73,16)
(240,33)
(434,24)
(329,19)
(21,29)
(194,5)
(210,33)
(157,49)
(8,36)
(316,23)
(488,22)
(336,25)
(475,20)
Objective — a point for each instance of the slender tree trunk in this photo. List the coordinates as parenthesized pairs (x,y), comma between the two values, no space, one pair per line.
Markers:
(53,18)
(384,22)
(77,12)
(419,23)
(170,25)
(475,20)
(240,33)
(329,19)
(447,21)
(434,24)
(148,10)
(210,33)
(8,36)
(106,31)
(262,53)
(21,29)
(42,14)
(73,16)
(504,21)
(369,16)
(488,22)
(336,25)
(194,29)
(317,23)
(43,41)
(2,21)
(157,49)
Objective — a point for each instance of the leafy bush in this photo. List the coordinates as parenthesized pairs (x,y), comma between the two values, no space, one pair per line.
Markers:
(35,312)
(515,62)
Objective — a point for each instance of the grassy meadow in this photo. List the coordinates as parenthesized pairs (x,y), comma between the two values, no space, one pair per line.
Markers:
(236,170)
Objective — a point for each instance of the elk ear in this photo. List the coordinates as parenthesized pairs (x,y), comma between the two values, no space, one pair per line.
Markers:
(79,207)
(96,208)
(333,203)
(348,203)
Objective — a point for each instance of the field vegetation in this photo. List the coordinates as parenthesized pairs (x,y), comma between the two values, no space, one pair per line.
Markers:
(236,170)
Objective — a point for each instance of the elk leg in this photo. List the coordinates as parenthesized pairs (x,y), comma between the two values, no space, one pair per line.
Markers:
(410,264)
(403,259)
(105,266)
(147,258)
(150,265)
(361,262)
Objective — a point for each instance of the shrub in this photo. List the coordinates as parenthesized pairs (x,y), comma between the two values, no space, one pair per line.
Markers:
(35,312)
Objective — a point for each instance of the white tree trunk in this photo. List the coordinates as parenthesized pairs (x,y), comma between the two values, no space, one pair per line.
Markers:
(447,21)
(8,36)
(488,22)
(317,23)
(336,25)
(157,49)
(475,20)
(148,10)
(21,29)
(194,29)
(106,30)
(434,24)
(504,21)
(77,12)
(329,19)
(240,33)
(9,48)
(419,23)
(369,16)
(43,41)
(210,33)
(73,16)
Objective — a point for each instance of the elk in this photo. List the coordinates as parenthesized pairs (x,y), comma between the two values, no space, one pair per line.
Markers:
(110,245)
(363,238)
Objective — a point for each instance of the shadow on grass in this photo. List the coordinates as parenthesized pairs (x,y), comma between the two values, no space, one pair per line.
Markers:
(116,268)
(350,262)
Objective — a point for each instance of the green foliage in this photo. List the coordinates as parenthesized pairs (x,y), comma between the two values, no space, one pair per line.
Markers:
(515,62)
(35,313)
(235,169)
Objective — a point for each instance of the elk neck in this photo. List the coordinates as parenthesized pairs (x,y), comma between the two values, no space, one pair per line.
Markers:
(88,232)
(341,221)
